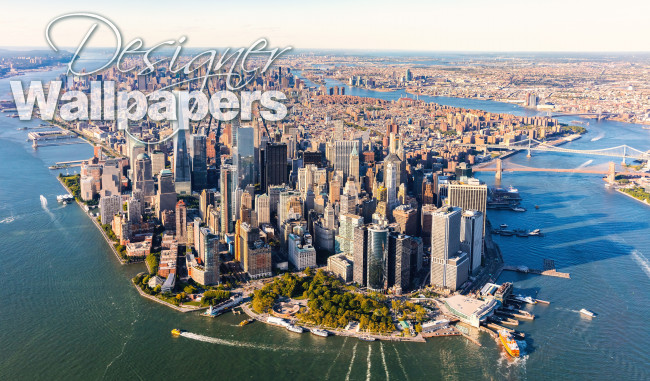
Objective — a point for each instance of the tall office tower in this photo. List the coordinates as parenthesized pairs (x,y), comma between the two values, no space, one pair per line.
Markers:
(449,266)
(166,195)
(208,249)
(392,147)
(227,203)
(428,193)
(471,237)
(342,152)
(246,208)
(142,82)
(157,162)
(206,199)
(246,156)
(313,157)
(274,197)
(330,219)
(234,127)
(399,262)
(301,253)
(254,255)
(354,165)
(199,163)
(400,168)
(407,219)
(339,130)
(196,233)
(349,199)
(377,257)
(135,150)
(345,238)
(335,190)
(109,206)
(263,209)
(134,210)
(275,165)
(305,179)
(237,203)
(470,196)
(427,221)
(112,178)
(182,170)
(181,223)
(391,187)
(360,256)
(143,176)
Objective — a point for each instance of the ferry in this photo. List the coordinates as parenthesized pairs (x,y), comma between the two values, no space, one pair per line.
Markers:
(535,232)
(509,343)
(319,332)
(586,312)
(525,299)
(367,338)
(64,198)
(518,209)
(176,332)
(503,226)
(295,328)
(245,322)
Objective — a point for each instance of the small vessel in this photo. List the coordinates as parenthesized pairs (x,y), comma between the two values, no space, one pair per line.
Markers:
(646,127)
(64,198)
(319,332)
(518,209)
(503,226)
(535,232)
(512,189)
(367,338)
(295,328)
(245,322)
(176,332)
(586,312)
(525,299)
(536,206)
(509,343)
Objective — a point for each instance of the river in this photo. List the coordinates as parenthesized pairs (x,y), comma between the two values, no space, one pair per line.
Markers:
(69,312)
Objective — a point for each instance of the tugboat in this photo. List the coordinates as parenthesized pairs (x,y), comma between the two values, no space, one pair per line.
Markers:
(176,332)
(247,321)
(509,343)
(319,332)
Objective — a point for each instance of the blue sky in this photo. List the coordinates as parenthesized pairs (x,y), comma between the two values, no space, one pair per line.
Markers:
(461,25)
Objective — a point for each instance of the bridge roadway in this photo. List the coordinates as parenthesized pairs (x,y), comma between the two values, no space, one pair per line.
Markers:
(551,148)
(561,170)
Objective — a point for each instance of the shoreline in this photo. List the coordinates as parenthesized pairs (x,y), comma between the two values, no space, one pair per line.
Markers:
(632,197)
(160,301)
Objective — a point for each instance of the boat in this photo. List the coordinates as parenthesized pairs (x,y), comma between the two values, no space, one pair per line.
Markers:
(512,189)
(646,127)
(176,332)
(506,233)
(536,206)
(535,232)
(367,338)
(509,343)
(319,332)
(522,234)
(525,299)
(518,209)
(245,322)
(586,312)
(503,226)
(64,198)
(295,328)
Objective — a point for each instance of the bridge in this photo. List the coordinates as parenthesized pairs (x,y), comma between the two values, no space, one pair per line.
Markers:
(623,151)
(610,171)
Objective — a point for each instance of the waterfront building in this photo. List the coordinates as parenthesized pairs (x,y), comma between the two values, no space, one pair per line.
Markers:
(207,271)
(469,310)
(134,209)
(471,237)
(109,206)
(399,262)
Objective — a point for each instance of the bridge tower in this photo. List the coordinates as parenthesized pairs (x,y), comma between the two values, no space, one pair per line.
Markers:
(497,174)
(529,140)
(611,177)
(624,154)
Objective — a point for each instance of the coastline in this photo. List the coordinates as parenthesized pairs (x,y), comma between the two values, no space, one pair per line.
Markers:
(632,197)
(160,301)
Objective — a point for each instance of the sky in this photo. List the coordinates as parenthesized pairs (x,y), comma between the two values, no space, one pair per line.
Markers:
(411,25)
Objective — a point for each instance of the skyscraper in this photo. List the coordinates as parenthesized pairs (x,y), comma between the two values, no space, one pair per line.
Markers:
(471,237)
(399,261)
(342,152)
(182,170)
(377,257)
(166,196)
(468,196)
(391,187)
(449,266)
(246,156)
(262,208)
(227,202)
(275,165)
(181,223)
(199,163)
(354,165)
(143,176)
(112,178)
(360,256)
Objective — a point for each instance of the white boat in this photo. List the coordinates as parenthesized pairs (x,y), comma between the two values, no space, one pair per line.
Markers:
(586,312)
(525,299)
(295,328)
(512,189)
(367,338)
(64,198)
(319,332)
(535,232)
(503,226)
(518,209)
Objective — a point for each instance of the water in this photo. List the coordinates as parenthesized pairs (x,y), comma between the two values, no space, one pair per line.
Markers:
(69,312)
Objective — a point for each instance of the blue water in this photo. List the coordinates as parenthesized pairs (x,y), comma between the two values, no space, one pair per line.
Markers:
(68,311)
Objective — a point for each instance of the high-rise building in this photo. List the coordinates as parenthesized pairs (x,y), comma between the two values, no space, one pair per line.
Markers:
(227,203)
(246,156)
(112,178)
(342,152)
(407,219)
(157,162)
(255,254)
(181,223)
(206,199)
(468,196)
(275,165)
(471,237)
(109,206)
(377,257)
(207,271)
(262,208)
(143,176)
(391,187)
(301,253)
(182,170)
(399,262)
(354,165)
(345,238)
(166,195)
(134,210)
(449,266)
(360,256)
(199,163)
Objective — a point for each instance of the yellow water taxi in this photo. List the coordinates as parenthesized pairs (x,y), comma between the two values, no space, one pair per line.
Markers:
(176,332)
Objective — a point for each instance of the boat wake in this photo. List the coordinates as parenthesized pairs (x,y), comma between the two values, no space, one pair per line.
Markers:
(8,220)
(642,261)
(241,344)
(598,137)
(354,353)
(586,163)
(567,309)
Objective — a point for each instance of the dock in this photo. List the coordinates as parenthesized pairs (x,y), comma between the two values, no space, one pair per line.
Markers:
(526,270)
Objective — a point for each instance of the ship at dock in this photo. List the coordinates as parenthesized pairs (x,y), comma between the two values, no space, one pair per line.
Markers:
(295,328)
(319,332)
(509,343)
(500,198)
